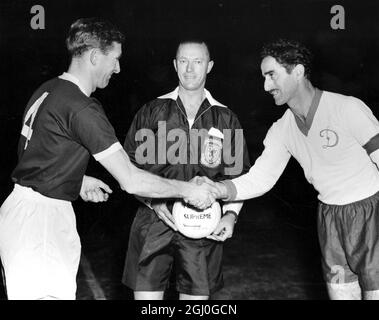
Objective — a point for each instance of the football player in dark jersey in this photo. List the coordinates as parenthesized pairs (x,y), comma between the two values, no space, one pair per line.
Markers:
(62,126)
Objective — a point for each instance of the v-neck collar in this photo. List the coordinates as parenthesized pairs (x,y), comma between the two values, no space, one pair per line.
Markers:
(304,127)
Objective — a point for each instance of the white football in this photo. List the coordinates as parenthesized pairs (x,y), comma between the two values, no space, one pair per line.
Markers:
(195,223)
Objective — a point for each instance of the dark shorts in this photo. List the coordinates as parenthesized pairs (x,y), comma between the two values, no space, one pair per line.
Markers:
(349,241)
(153,250)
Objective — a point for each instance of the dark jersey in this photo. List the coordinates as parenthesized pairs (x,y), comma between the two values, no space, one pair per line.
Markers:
(161,141)
(61,128)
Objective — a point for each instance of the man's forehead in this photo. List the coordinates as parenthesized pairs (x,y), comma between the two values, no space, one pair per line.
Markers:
(116,49)
(192,49)
(269,64)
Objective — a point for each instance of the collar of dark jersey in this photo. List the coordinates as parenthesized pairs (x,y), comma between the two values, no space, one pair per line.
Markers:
(208,101)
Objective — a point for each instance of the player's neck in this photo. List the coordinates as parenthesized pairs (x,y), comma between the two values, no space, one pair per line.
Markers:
(302,102)
(85,79)
(191,100)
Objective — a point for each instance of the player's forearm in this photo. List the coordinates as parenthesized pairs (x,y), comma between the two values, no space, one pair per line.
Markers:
(148,185)
(245,187)
(140,182)
(261,177)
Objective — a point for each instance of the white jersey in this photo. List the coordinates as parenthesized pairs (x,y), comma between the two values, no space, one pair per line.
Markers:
(332,147)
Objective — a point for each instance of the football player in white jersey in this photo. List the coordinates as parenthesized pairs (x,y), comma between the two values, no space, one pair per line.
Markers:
(335,138)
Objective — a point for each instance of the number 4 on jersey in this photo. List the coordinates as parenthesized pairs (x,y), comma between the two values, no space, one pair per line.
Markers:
(27,130)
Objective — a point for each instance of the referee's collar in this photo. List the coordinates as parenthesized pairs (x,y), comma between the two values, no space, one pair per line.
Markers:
(70,77)
(174,96)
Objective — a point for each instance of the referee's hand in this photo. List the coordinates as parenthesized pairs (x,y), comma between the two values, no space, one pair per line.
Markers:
(224,229)
(163,213)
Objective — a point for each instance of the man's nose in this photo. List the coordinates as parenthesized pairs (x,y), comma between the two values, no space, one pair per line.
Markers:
(267,84)
(117,67)
(189,67)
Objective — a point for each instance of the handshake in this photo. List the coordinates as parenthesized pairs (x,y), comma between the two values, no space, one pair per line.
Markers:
(201,192)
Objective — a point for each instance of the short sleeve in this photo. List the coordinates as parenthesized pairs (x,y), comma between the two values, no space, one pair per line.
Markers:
(361,122)
(92,129)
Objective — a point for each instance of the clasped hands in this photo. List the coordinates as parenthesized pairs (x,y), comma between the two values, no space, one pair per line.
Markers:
(203,192)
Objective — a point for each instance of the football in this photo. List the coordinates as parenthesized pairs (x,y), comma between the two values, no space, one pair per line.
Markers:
(195,223)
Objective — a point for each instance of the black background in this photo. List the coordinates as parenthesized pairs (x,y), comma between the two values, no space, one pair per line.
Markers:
(346,61)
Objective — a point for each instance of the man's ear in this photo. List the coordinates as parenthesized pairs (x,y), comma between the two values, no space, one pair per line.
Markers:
(94,56)
(175,65)
(299,71)
(210,66)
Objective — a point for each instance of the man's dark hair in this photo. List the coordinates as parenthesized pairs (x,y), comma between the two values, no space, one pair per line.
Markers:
(289,53)
(88,33)
(196,41)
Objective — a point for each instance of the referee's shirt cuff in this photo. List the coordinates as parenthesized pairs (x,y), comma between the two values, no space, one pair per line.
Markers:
(230,189)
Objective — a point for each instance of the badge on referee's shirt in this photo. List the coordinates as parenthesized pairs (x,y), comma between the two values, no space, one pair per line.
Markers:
(212,149)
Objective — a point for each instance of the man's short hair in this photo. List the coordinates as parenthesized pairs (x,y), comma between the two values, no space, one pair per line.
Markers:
(289,53)
(196,41)
(88,33)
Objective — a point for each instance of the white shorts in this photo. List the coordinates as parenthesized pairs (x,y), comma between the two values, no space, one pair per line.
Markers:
(39,246)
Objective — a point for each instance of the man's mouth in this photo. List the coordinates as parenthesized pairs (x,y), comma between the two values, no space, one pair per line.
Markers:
(274,92)
(189,77)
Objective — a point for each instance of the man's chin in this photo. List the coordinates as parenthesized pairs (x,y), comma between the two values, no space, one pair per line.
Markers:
(104,85)
(279,102)
(191,87)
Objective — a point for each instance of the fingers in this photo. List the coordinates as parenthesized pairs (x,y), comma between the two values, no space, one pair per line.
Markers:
(105,187)
(201,203)
(96,195)
(94,190)
(206,180)
(92,196)
(198,180)
(223,231)
(167,221)
(202,196)
(84,196)
(220,235)
(165,215)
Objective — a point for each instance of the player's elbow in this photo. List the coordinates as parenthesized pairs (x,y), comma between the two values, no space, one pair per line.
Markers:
(129,187)
(134,184)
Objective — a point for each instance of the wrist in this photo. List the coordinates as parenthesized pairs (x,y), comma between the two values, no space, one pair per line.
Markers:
(223,190)
(232,213)
(229,190)
(183,189)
